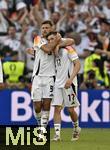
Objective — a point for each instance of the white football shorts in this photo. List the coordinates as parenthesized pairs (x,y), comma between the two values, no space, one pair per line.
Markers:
(65,97)
(42,87)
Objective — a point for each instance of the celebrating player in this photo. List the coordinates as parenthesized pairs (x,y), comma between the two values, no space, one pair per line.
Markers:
(67,66)
(44,72)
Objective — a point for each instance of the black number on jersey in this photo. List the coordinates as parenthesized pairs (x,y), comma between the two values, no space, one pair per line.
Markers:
(71,99)
(69,96)
(51,88)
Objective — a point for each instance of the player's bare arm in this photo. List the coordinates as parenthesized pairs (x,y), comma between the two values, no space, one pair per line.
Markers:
(56,42)
(50,46)
(63,43)
(56,50)
(47,48)
(59,42)
(75,71)
(99,51)
(66,42)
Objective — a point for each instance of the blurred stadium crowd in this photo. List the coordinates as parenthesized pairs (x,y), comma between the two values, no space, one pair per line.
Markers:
(87,21)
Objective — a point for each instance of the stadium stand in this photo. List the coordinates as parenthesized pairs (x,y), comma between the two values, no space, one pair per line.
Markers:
(87,21)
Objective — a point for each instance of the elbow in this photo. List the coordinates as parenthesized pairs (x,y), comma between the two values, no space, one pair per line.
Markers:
(72,42)
(69,42)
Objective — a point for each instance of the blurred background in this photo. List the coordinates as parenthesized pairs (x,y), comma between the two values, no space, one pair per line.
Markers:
(88,22)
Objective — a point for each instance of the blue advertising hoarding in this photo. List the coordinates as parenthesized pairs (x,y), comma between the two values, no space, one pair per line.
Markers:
(94,111)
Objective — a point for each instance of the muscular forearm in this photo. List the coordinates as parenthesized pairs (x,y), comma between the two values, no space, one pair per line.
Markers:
(66,42)
(76,69)
(47,48)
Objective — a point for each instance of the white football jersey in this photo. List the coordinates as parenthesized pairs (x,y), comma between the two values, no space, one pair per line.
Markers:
(44,64)
(64,66)
(1,73)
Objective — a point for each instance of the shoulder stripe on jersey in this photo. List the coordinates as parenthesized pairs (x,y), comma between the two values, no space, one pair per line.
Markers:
(70,50)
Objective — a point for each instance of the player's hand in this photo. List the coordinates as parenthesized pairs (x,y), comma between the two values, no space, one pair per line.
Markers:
(68,84)
(58,37)
(56,50)
(30,51)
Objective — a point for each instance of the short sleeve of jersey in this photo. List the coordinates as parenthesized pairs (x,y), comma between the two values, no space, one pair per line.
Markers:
(38,42)
(72,54)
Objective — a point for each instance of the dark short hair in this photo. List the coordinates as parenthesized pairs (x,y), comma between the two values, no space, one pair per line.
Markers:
(47,22)
(51,33)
